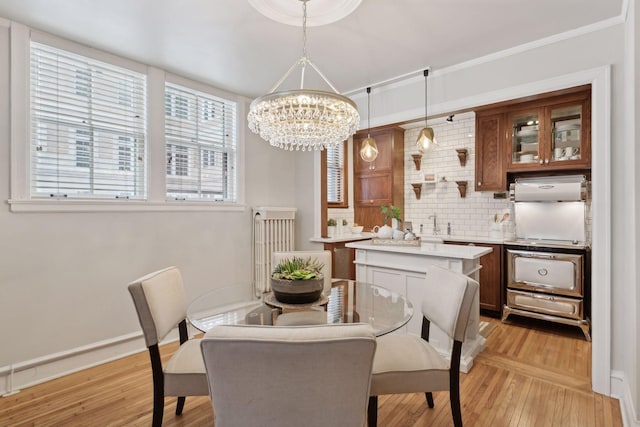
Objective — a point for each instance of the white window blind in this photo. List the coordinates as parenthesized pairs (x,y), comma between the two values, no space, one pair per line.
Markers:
(201,145)
(88,127)
(335,174)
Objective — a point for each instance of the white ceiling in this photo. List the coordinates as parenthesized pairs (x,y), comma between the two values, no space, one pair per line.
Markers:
(230,45)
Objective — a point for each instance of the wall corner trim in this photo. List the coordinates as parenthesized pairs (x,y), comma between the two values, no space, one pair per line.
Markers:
(620,390)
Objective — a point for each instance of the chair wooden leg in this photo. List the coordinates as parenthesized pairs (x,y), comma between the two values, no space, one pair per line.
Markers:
(372,412)
(454,384)
(429,397)
(180,405)
(158,386)
(454,396)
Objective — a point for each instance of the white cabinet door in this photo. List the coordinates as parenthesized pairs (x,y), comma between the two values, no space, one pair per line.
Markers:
(394,280)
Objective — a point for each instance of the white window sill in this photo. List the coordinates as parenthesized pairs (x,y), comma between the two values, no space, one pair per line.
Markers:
(120,206)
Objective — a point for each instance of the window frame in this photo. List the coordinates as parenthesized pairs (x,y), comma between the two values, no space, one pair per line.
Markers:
(345,178)
(74,142)
(20,199)
(201,135)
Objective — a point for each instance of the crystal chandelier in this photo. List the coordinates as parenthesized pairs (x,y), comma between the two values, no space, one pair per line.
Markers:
(303,118)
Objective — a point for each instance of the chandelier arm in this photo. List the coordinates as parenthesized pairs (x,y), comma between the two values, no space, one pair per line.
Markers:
(283,78)
(322,75)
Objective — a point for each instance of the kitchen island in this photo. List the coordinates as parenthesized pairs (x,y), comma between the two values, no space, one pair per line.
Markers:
(402,269)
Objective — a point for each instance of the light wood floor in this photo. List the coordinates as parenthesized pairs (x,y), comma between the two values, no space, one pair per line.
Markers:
(531,374)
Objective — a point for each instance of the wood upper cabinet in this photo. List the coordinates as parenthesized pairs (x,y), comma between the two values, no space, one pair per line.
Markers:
(552,134)
(380,182)
(548,132)
(490,175)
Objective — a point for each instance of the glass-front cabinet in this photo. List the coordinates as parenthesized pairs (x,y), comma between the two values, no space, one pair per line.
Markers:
(552,136)
(527,128)
(566,124)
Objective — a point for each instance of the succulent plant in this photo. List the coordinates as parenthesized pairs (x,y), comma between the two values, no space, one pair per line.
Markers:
(331,222)
(298,268)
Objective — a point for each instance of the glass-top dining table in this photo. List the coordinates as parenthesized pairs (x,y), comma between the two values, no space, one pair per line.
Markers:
(348,302)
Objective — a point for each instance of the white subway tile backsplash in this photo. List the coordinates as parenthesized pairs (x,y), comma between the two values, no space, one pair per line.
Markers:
(470,216)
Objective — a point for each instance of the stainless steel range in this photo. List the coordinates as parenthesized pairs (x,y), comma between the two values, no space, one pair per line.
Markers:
(548,262)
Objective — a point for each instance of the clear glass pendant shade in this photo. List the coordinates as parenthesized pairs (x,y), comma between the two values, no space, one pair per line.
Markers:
(369,150)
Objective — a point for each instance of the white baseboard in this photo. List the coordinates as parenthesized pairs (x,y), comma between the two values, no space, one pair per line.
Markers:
(620,390)
(27,373)
(17,376)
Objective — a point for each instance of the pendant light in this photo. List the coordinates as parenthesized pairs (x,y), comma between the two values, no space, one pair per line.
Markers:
(426,139)
(369,149)
(302,118)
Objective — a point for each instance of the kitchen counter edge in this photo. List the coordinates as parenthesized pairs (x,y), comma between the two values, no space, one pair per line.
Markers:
(427,249)
(342,238)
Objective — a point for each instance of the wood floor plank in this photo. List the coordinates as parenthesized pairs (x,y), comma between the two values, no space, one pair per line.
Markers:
(530,375)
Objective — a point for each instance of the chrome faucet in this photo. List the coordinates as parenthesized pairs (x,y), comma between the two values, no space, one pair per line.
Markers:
(435,224)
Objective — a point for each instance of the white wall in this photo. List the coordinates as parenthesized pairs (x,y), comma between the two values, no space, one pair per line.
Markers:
(633,125)
(63,276)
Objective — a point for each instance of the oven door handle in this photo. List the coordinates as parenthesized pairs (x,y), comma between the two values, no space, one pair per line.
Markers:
(535,284)
(537,255)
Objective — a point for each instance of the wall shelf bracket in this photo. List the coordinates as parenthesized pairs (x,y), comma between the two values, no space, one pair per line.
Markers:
(462,156)
(462,188)
(417,159)
(417,188)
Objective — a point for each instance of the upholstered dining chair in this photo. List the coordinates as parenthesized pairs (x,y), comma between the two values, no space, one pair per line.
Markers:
(312,376)
(323,257)
(409,364)
(160,304)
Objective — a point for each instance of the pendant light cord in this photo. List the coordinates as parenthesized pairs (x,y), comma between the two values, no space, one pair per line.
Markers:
(426,74)
(368,112)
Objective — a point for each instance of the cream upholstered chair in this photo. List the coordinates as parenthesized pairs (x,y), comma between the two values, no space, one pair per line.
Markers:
(323,257)
(409,364)
(289,376)
(160,304)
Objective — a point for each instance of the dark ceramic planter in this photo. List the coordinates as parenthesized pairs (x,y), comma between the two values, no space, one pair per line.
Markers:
(297,291)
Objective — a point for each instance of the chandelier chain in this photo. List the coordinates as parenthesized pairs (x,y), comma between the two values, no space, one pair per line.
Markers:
(304,28)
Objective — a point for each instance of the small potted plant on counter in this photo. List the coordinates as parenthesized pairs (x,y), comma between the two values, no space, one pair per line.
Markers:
(297,280)
(393,213)
(331,227)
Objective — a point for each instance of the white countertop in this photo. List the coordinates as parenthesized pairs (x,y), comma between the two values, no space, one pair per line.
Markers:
(343,238)
(427,249)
